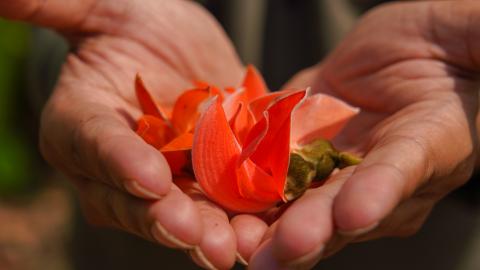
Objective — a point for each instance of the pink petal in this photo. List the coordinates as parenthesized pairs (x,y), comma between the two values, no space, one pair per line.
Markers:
(320,116)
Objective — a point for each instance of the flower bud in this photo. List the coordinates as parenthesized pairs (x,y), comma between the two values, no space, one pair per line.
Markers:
(314,162)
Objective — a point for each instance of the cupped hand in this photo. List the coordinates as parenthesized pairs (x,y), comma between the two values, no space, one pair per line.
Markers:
(413,70)
(87,125)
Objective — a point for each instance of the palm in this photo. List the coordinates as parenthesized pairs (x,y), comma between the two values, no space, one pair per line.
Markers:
(143,37)
(170,44)
(415,85)
(401,83)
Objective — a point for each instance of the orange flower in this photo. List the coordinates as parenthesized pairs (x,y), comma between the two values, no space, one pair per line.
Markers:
(243,137)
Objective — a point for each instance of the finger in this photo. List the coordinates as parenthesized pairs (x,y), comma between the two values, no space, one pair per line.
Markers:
(249,231)
(218,246)
(405,221)
(406,155)
(173,221)
(100,145)
(217,249)
(51,13)
(303,230)
(385,181)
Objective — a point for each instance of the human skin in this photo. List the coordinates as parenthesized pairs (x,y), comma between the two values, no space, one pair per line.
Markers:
(87,127)
(409,67)
(413,69)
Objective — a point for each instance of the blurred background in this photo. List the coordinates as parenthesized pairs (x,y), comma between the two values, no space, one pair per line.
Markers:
(41,226)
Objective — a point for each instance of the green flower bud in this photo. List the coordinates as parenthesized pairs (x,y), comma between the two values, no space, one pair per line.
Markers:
(325,166)
(300,175)
(346,159)
(314,162)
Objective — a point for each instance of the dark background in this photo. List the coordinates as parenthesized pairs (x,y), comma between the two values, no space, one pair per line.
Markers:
(41,226)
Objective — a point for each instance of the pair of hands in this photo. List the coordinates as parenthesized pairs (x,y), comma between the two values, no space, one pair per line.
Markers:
(410,67)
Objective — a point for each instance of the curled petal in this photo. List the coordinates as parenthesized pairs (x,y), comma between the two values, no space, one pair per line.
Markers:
(230,90)
(268,143)
(179,143)
(213,89)
(320,116)
(254,84)
(241,123)
(232,102)
(147,102)
(261,104)
(214,156)
(186,109)
(256,184)
(177,153)
(153,130)
(254,137)
(188,106)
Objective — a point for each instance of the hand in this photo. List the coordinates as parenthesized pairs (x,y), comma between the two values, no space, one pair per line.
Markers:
(413,70)
(87,125)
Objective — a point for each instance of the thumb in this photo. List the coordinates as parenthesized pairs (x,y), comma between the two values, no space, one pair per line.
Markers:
(426,153)
(49,13)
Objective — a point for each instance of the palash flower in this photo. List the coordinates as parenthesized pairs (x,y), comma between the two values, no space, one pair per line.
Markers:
(249,149)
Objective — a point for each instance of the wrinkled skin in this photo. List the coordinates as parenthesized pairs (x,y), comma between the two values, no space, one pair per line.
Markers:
(413,70)
(87,125)
(410,67)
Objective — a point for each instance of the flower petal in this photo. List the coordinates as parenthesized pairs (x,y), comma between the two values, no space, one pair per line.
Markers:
(153,130)
(260,104)
(213,89)
(214,157)
(254,137)
(181,142)
(147,103)
(256,184)
(268,143)
(179,162)
(320,116)
(177,153)
(241,123)
(232,102)
(186,109)
(254,84)
(201,84)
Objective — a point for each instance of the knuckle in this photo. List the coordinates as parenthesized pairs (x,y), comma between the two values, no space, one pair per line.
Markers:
(94,220)
(413,225)
(409,230)
(91,215)
(46,150)
(109,204)
(465,168)
(81,136)
(90,144)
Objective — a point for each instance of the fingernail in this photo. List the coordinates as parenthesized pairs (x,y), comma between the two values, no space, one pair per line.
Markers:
(199,258)
(263,258)
(241,260)
(163,236)
(360,231)
(307,261)
(136,189)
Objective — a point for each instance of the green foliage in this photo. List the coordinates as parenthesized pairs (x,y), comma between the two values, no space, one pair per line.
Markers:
(15,153)
(15,174)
